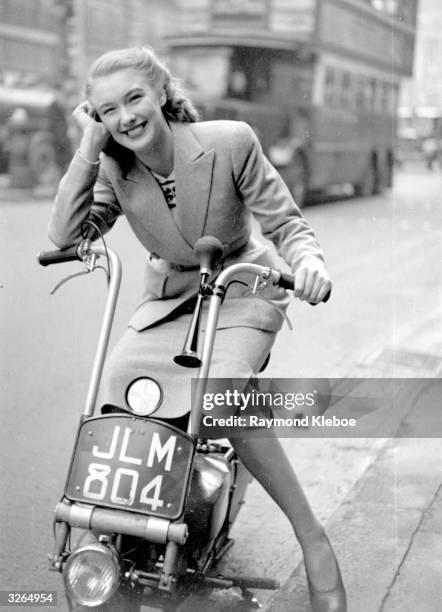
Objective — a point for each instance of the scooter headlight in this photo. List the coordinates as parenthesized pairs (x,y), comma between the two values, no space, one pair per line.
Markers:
(144,396)
(91,575)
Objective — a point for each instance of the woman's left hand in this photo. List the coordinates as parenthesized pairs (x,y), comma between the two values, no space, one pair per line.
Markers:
(312,282)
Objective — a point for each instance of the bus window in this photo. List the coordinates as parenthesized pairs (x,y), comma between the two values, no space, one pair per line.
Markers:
(345,91)
(403,10)
(204,70)
(254,67)
(359,93)
(377,101)
(371,95)
(238,84)
(284,82)
(387,99)
(352,95)
(330,89)
(394,99)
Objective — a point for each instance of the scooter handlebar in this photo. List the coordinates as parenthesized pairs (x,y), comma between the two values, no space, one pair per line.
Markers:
(48,258)
(287,281)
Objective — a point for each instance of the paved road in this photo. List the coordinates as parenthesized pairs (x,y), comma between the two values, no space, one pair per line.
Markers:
(383,254)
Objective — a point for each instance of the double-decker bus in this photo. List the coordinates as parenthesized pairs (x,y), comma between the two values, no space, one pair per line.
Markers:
(318,80)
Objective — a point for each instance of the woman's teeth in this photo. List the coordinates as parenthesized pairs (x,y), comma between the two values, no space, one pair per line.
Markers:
(136,131)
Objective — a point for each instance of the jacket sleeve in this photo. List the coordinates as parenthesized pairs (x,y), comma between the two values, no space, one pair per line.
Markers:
(84,193)
(268,198)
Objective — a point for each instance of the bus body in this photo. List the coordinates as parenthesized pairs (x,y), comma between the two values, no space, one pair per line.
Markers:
(318,80)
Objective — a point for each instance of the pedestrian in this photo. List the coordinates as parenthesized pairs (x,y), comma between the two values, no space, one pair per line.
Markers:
(431,152)
(144,154)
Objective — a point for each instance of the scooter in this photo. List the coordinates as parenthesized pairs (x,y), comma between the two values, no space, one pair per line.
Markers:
(155,504)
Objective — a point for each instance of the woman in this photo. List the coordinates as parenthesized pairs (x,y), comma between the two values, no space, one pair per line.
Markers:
(144,154)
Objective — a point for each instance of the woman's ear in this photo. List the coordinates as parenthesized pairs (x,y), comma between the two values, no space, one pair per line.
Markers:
(163,98)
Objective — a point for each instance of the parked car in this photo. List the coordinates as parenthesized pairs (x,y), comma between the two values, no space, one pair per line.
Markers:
(34,141)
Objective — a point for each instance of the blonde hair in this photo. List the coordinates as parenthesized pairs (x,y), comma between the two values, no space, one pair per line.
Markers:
(177,107)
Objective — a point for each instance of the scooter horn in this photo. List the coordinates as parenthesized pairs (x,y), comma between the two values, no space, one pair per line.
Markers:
(208,249)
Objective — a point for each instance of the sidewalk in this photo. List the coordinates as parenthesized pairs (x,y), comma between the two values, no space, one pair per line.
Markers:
(388,532)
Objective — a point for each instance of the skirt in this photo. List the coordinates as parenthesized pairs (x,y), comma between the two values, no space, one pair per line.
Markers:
(239,352)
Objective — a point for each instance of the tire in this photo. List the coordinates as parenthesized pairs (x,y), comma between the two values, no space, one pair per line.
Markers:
(370,184)
(297,179)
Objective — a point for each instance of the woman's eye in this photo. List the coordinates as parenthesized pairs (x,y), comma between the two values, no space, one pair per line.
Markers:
(135,97)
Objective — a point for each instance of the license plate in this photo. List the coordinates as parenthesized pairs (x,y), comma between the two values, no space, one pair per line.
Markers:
(131,463)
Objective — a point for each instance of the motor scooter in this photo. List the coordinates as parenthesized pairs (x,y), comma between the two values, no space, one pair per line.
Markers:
(155,503)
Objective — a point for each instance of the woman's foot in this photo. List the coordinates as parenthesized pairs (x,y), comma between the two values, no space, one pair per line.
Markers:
(327,592)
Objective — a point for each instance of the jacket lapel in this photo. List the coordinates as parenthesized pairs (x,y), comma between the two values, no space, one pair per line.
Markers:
(149,215)
(144,198)
(193,176)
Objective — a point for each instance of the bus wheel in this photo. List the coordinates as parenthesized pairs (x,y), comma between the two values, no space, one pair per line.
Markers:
(370,184)
(297,179)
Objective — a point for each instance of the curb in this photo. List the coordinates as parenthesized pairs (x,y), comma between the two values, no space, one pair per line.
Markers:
(381,531)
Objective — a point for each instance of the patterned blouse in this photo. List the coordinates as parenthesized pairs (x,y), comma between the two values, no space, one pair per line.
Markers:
(168,187)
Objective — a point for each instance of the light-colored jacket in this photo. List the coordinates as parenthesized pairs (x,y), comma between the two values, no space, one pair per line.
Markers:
(222,181)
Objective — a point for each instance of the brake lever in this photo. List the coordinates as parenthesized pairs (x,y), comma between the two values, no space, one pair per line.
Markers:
(66,279)
(71,276)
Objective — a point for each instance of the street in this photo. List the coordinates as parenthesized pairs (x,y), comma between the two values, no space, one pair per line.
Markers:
(383,319)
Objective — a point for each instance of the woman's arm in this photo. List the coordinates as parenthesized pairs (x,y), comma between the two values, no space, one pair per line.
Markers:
(84,192)
(280,219)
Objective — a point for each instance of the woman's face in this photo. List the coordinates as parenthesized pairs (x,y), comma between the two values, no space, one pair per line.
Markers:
(130,108)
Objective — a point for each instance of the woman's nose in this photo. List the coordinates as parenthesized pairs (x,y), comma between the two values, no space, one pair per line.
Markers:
(127,118)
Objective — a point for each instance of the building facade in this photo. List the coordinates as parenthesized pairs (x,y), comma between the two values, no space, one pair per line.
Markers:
(421,101)
(30,41)
(51,43)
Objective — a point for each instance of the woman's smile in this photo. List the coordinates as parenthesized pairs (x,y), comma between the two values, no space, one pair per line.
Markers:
(135,131)
(131,109)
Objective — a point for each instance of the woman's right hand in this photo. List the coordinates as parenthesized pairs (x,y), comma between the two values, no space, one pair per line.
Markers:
(95,134)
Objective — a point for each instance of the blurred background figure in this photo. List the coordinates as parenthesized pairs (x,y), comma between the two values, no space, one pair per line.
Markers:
(431,152)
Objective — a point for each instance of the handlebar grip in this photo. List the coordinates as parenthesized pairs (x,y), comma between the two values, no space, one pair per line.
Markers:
(48,258)
(287,281)
(325,299)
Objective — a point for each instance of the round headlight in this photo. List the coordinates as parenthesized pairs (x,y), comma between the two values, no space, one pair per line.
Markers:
(144,396)
(91,575)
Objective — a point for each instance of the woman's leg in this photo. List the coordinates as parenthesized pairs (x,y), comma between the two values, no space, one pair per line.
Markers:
(267,462)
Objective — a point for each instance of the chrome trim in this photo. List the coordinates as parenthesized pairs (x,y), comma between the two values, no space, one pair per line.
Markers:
(209,337)
(106,326)
(118,521)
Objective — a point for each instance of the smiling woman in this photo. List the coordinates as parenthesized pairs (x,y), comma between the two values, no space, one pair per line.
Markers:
(138,129)
(131,110)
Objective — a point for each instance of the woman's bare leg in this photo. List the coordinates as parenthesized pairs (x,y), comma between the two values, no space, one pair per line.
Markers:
(268,463)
